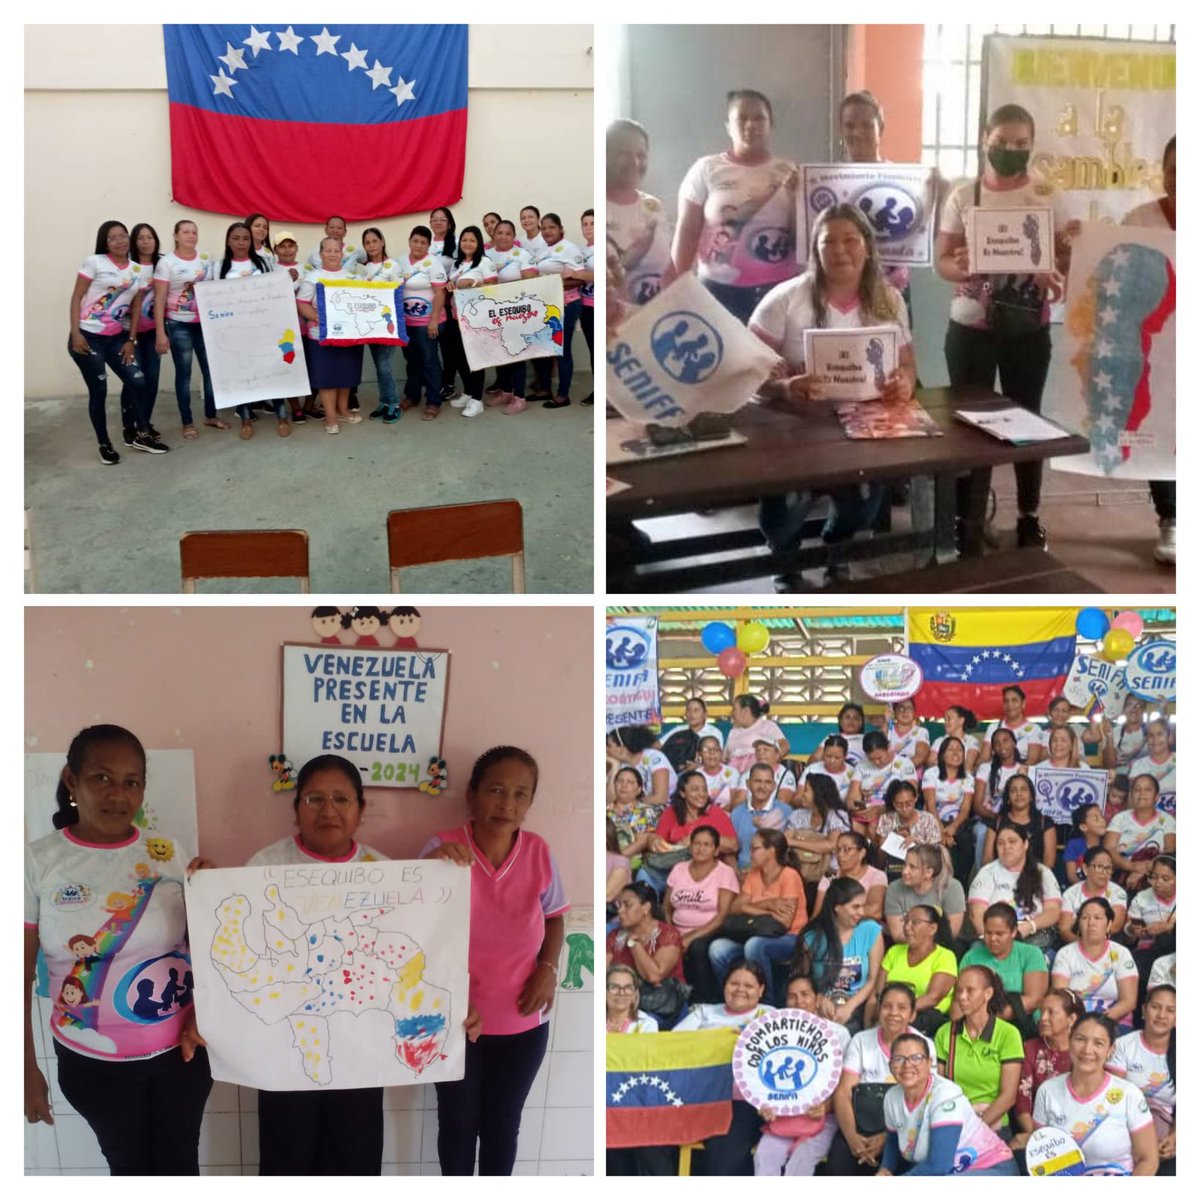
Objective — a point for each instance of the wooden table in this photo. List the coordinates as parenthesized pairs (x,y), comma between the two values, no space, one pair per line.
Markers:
(786,452)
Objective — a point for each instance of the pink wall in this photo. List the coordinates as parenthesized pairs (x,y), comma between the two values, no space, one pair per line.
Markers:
(208,679)
(886,60)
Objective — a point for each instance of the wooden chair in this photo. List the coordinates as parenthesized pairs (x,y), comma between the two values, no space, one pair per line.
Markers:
(243,554)
(450,532)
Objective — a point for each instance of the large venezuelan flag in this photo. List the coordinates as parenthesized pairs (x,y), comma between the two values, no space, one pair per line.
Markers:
(668,1089)
(306,121)
(969,655)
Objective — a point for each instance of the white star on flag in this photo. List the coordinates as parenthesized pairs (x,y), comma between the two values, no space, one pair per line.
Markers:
(356,57)
(380,75)
(1104,422)
(1120,257)
(222,85)
(326,42)
(975,659)
(1111,287)
(289,40)
(1103,381)
(257,41)
(233,59)
(1108,316)
(403,91)
(1104,349)
(1112,402)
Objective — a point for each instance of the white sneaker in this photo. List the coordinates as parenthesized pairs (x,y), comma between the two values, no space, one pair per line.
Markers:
(474,408)
(460,402)
(1164,552)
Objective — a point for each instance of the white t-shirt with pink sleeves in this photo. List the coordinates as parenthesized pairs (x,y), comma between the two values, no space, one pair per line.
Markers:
(749,234)
(306,292)
(786,311)
(1101,1124)
(421,280)
(110,294)
(146,303)
(694,904)
(112,928)
(239,268)
(511,262)
(181,276)
(562,258)
(290,852)
(510,905)
(944,1103)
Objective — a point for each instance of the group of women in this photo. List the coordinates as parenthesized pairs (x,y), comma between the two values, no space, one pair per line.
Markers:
(737,229)
(906,884)
(133,302)
(103,899)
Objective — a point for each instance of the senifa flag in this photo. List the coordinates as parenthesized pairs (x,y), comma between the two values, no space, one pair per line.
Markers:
(969,655)
(362,121)
(668,1089)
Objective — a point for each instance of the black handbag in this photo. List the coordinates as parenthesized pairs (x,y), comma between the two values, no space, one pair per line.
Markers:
(740,927)
(867,1101)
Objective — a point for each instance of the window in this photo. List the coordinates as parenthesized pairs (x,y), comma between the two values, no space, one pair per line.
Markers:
(951,74)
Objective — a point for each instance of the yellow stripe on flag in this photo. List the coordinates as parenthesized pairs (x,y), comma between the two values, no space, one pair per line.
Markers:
(988,626)
(669,1051)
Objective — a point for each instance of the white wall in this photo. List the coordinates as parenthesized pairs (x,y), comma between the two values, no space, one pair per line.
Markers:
(556,1127)
(97,147)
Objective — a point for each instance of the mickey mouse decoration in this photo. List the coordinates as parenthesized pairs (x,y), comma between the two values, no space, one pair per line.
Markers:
(439,778)
(285,777)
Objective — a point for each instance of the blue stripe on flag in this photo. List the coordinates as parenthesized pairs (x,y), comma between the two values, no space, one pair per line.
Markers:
(657,1088)
(994,664)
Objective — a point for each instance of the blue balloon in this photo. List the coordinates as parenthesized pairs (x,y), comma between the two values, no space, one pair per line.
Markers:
(1091,624)
(717,636)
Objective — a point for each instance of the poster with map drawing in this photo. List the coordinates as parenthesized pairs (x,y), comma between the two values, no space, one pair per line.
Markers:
(252,337)
(331,975)
(509,322)
(357,312)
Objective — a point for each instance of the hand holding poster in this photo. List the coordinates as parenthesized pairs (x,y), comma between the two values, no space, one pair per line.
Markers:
(1053,1151)
(1059,791)
(787,1060)
(355,312)
(331,975)
(897,199)
(1009,241)
(684,354)
(251,335)
(631,674)
(852,364)
(504,323)
(382,709)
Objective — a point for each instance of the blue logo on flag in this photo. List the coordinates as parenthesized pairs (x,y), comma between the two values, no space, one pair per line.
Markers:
(686,346)
(786,1070)
(625,646)
(892,211)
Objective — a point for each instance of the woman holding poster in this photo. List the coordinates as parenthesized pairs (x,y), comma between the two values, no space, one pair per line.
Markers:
(512,262)
(332,370)
(104,907)
(379,268)
(517,930)
(424,312)
(471,268)
(561,257)
(1002,322)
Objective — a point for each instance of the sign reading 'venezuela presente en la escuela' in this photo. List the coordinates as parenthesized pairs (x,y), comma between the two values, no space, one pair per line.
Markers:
(382,709)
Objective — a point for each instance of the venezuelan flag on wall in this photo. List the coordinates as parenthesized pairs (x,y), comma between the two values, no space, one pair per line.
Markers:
(362,121)
(668,1089)
(969,655)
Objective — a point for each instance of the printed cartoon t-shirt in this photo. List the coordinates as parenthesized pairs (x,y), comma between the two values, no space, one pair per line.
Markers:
(641,236)
(943,1104)
(421,278)
(511,262)
(1101,1124)
(111,923)
(105,306)
(181,276)
(562,259)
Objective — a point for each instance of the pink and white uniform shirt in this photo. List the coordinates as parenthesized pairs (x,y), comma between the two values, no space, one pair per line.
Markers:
(511,262)
(421,280)
(307,292)
(562,258)
(181,276)
(111,292)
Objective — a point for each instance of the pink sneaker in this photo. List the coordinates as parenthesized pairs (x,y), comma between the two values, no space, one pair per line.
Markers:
(499,399)
(515,405)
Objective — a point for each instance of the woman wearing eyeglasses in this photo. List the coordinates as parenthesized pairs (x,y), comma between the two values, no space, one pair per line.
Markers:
(932,1129)
(621,996)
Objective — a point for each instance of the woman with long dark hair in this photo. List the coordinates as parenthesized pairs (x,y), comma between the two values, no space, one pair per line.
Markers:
(1147,1059)
(1018,878)
(144,249)
(380,267)
(470,268)
(1100,970)
(948,789)
(561,257)
(852,854)
(1003,763)
(1017,807)
(959,722)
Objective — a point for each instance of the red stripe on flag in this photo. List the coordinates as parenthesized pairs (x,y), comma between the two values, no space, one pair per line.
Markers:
(299,172)
(667,1125)
(986,700)
(1151,326)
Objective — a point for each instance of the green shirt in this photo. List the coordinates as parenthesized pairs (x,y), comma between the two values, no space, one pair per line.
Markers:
(940,962)
(1022,958)
(977,1062)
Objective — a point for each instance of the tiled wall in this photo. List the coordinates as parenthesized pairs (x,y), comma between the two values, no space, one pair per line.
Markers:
(556,1129)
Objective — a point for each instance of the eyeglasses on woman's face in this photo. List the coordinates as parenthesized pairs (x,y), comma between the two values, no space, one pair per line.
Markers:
(621,989)
(316,801)
(900,1060)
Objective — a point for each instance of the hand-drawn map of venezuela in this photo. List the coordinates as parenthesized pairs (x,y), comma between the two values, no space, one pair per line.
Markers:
(331,975)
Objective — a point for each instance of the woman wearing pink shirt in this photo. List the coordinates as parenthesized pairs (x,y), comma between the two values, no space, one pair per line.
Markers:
(750,722)
(517,929)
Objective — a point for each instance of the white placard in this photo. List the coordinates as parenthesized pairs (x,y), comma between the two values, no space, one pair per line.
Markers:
(357,311)
(510,322)
(1009,241)
(631,672)
(1059,791)
(788,1060)
(382,709)
(897,200)
(331,975)
(684,354)
(852,364)
(894,846)
(1094,681)
(1150,671)
(252,337)
(1053,1151)
(890,677)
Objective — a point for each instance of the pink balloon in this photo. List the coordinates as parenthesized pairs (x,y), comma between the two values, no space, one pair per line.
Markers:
(731,662)
(1129,621)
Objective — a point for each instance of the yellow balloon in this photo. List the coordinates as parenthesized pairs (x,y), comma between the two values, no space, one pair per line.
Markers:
(752,637)
(1117,644)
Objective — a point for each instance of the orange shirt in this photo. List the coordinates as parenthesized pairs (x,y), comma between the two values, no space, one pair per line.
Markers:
(787,886)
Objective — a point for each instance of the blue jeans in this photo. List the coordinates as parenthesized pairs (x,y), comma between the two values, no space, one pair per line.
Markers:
(781,518)
(104,352)
(566,366)
(422,364)
(148,360)
(381,356)
(766,952)
(186,339)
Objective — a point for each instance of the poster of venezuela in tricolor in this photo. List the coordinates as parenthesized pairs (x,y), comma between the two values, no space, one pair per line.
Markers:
(509,322)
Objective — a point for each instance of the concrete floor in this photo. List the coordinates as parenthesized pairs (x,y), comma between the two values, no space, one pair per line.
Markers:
(116,529)
(1104,530)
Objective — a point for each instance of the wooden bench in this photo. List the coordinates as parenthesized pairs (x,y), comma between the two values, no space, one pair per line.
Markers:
(1028,570)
